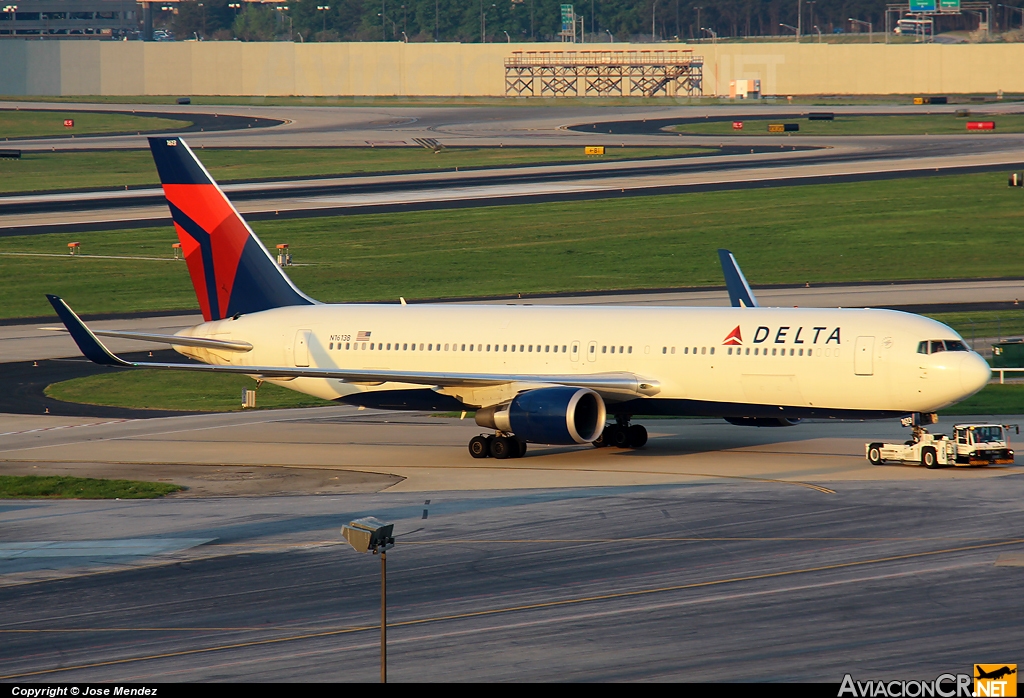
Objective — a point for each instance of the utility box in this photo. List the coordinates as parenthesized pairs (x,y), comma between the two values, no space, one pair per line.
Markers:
(745,89)
(248,398)
(1017,179)
(284,256)
(1008,354)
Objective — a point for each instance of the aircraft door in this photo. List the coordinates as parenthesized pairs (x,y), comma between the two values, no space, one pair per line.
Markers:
(574,354)
(863,356)
(300,350)
(592,351)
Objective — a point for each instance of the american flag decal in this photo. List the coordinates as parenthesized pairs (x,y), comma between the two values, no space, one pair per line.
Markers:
(362,336)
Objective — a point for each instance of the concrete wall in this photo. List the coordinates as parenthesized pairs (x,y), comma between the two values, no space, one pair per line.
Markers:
(387,69)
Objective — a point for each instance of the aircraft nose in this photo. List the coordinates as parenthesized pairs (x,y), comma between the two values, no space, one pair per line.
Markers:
(974,373)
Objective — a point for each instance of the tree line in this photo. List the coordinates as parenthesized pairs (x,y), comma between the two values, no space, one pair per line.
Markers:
(471,21)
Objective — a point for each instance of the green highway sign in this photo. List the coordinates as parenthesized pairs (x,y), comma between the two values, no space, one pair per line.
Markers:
(949,5)
(923,5)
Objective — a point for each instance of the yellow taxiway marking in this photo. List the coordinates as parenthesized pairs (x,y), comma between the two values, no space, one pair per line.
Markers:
(525,607)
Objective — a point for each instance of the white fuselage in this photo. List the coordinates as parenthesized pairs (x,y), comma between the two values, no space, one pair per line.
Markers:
(829,359)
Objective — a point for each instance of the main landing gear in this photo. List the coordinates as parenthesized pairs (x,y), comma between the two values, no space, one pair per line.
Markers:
(500,447)
(622,434)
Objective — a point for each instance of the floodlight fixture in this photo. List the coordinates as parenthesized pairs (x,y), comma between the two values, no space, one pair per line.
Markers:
(371,535)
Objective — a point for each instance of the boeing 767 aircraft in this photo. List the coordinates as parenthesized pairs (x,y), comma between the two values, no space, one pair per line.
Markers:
(535,374)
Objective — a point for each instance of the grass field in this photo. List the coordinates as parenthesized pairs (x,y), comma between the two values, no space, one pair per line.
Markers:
(1000,324)
(909,125)
(993,399)
(57,487)
(47,171)
(175,390)
(24,123)
(964,226)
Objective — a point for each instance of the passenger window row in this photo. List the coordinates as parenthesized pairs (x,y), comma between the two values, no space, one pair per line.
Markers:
(454,346)
(781,352)
(686,350)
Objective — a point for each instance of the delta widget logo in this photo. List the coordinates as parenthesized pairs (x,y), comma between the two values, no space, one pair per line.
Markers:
(734,339)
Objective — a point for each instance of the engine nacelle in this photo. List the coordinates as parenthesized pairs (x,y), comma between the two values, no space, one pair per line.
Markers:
(558,415)
(762,421)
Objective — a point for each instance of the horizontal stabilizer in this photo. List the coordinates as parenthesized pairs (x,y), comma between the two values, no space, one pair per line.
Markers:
(617,383)
(176,340)
(740,294)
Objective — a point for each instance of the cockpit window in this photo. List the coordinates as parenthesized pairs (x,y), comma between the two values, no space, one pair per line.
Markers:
(937,345)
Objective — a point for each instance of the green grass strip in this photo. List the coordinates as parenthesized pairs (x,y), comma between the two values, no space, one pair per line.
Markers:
(60,487)
(37,171)
(993,399)
(175,390)
(954,227)
(25,123)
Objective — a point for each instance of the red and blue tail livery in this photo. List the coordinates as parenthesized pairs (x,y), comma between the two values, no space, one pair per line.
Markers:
(231,270)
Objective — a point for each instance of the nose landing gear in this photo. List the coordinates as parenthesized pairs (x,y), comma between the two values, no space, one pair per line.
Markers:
(501,446)
(622,434)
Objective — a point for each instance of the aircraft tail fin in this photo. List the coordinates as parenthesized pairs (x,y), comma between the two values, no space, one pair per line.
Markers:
(232,272)
(739,290)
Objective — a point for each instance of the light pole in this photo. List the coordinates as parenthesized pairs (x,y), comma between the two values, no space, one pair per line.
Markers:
(322,9)
(373,535)
(508,39)
(654,6)
(699,28)
(611,39)
(790,26)
(860,23)
(811,3)
(819,32)
(799,19)
(714,41)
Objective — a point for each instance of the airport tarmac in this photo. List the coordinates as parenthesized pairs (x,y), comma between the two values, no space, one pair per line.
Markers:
(706,580)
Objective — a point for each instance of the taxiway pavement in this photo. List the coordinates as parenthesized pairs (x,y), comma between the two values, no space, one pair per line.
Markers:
(700,581)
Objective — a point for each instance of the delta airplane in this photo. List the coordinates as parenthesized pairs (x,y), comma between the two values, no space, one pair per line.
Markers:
(535,374)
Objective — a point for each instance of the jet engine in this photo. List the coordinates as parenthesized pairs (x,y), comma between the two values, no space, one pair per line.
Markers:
(762,421)
(558,415)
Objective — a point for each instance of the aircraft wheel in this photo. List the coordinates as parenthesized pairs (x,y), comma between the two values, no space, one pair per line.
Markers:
(501,448)
(928,458)
(479,446)
(520,445)
(637,436)
(875,454)
(618,436)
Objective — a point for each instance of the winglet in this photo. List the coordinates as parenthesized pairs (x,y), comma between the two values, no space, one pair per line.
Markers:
(739,290)
(83,336)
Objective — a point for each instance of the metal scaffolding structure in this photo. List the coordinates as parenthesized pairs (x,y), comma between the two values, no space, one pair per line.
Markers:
(654,73)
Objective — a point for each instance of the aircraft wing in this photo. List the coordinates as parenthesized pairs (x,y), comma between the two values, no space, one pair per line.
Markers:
(615,382)
(739,290)
(221,344)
